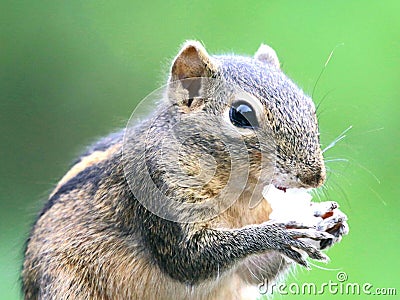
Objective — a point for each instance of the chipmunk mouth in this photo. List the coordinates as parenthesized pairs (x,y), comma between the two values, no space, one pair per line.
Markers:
(285,186)
(281,188)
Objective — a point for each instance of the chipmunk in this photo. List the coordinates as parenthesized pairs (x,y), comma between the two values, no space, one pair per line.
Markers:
(102,233)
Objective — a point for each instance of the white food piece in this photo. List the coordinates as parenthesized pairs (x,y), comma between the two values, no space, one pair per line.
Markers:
(292,205)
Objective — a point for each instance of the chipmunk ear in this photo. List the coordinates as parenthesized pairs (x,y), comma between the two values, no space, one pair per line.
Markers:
(192,61)
(189,73)
(267,55)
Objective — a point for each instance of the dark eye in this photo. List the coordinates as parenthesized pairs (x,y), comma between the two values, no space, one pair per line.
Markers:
(243,115)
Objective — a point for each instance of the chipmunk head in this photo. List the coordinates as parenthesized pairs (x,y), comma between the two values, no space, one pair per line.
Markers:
(253,97)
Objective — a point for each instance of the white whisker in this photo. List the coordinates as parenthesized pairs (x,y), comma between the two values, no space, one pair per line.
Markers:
(339,138)
(379,196)
(368,171)
(323,268)
(256,265)
(251,272)
(323,69)
(319,193)
(339,188)
(371,130)
(330,55)
(337,160)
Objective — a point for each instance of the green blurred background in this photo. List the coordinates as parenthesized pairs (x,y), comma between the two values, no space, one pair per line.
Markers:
(71,71)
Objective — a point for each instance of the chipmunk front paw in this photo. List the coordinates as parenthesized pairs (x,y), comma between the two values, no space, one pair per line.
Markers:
(295,243)
(324,217)
(334,221)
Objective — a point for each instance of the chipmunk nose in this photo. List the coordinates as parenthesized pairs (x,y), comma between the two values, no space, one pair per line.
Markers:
(314,178)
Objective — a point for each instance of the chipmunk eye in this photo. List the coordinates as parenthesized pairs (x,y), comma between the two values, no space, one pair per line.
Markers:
(243,115)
